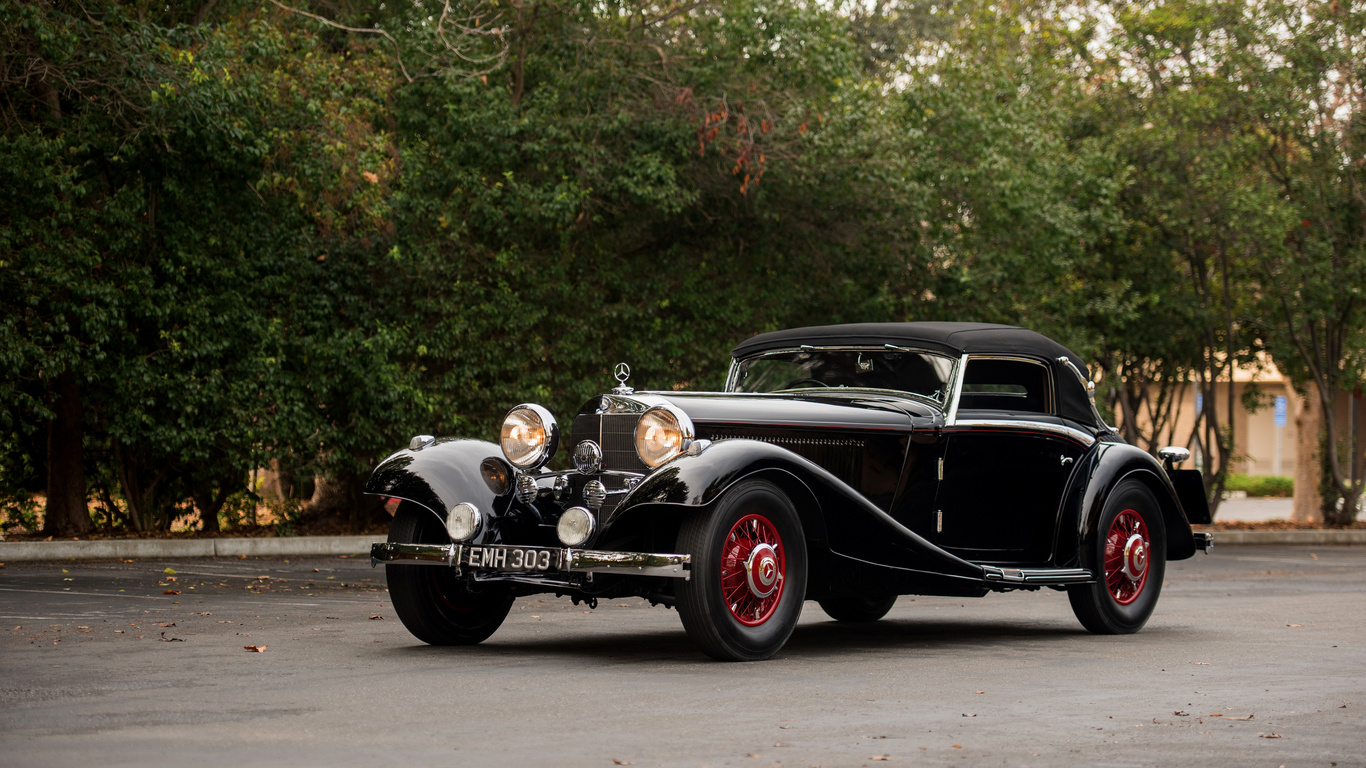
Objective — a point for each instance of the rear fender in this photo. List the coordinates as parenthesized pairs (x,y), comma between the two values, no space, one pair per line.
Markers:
(1105,467)
(439,476)
(834,516)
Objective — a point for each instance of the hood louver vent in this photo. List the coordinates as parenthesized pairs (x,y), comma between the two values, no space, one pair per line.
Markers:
(841,457)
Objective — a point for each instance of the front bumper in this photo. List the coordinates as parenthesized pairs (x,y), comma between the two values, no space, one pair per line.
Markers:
(522,561)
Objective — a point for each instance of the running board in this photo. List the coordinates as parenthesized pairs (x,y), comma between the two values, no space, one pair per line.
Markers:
(1039,576)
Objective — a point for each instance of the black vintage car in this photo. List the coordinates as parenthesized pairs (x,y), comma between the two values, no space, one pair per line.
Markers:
(844,464)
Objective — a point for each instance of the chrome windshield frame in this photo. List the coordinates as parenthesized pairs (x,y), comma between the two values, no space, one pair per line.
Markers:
(950,386)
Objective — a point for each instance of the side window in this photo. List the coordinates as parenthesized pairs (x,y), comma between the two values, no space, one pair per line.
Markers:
(1005,385)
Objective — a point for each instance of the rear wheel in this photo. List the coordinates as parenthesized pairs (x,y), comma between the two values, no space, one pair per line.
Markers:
(855,608)
(748,578)
(437,607)
(1127,550)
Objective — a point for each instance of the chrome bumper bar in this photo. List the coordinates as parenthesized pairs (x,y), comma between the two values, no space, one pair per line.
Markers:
(564,560)
(1204,541)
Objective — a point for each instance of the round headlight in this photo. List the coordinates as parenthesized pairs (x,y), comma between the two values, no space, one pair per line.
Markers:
(529,436)
(661,434)
(575,526)
(463,521)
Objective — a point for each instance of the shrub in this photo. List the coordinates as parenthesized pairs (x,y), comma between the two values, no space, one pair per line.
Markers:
(1262,485)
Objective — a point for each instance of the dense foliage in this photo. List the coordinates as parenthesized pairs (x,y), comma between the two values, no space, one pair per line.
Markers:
(242,234)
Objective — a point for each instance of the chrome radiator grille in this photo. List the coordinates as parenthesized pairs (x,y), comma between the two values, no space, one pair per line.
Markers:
(615,433)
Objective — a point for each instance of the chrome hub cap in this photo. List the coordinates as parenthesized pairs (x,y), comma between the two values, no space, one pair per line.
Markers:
(1135,557)
(761,571)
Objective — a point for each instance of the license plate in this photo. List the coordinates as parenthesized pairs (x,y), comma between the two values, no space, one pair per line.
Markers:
(504,558)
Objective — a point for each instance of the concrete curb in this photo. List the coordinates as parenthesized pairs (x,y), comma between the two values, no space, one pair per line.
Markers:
(1302,536)
(299,546)
(154,549)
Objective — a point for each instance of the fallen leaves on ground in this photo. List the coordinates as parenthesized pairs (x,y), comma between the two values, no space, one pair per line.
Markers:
(169,571)
(165,623)
(880,757)
(171,592)
(1294,625)
(965,714)
(1200,663)
(1180,713)
(1249,717)
(1269,735)
(957,746)
(166,639)
(376,616)
(255,648)
(622,762)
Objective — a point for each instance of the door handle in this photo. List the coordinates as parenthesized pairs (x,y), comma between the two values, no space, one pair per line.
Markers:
(1065,460)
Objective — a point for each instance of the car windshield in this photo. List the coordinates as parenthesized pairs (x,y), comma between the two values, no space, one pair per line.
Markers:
(917,373)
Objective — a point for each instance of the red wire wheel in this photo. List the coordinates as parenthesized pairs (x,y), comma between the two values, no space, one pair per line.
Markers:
(748,580)
(1127,549)
(753,569)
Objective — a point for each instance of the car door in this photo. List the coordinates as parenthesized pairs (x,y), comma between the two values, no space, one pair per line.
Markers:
(1005,465)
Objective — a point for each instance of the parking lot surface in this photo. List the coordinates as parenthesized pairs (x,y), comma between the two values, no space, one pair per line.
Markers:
(1255,656)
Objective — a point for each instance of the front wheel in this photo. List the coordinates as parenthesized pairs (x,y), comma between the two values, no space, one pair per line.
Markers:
(437,607)
(748,577)
(1127,550)
(857,607)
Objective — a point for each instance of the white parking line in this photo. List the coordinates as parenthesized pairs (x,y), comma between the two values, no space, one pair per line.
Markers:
(84,594)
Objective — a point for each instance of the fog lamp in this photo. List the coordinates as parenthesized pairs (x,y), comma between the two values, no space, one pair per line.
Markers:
(576,526)
(463,522)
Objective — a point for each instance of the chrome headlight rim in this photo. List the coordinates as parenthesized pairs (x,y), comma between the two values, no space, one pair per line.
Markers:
(549,445)
(687,433)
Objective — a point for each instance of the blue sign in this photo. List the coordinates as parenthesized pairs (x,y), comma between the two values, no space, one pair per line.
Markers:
(1280,411)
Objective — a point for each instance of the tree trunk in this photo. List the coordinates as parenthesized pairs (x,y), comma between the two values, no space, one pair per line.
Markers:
(341,497)
(66,511)
(1308,504)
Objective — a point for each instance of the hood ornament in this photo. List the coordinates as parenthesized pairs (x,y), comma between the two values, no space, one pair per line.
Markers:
(622,372)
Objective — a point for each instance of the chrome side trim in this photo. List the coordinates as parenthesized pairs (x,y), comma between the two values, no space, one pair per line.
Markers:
(1042,426)
(1037,575)
(568,560)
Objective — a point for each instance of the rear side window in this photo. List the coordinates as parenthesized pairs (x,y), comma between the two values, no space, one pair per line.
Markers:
(1005,385)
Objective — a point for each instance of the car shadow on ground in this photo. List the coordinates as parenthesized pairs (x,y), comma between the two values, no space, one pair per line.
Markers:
(810,641)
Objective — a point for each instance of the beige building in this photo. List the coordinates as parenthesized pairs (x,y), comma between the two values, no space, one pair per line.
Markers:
(1266,441)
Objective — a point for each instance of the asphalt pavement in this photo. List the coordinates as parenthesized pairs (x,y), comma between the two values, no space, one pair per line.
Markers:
(1255,656)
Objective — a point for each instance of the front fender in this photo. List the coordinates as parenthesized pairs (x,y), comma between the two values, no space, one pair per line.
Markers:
(1106,466)
(439,476)
(831,512)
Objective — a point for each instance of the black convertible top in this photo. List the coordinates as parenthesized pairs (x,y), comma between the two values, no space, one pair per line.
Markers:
(951,338)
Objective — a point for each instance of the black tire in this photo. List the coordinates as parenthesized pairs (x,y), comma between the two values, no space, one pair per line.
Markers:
(437,607)
(857,608)
(1119,604)
(710,617)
